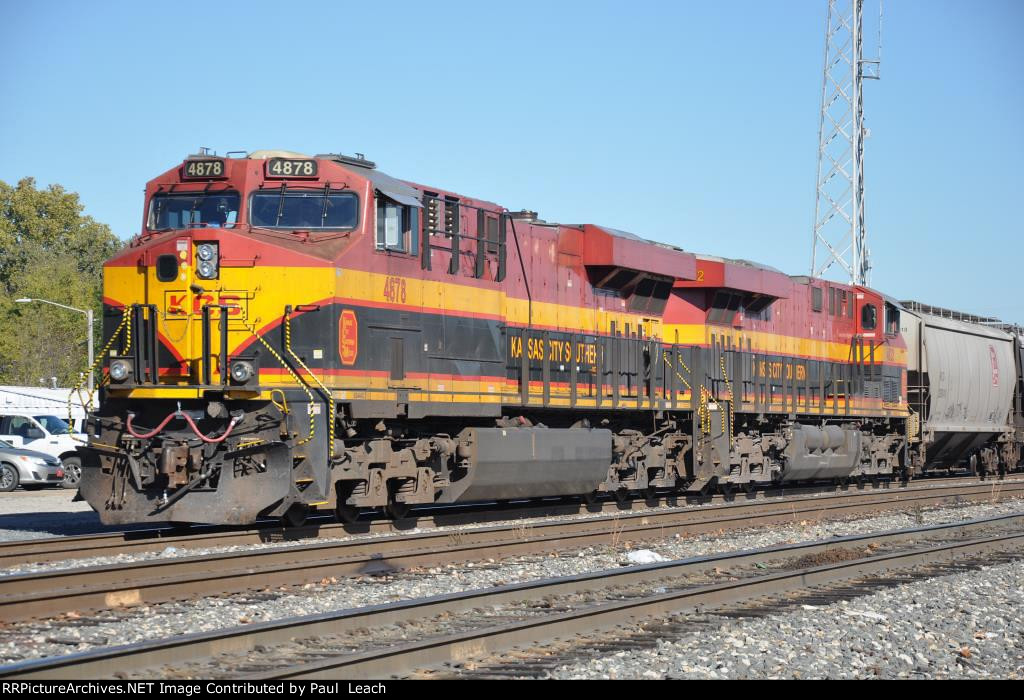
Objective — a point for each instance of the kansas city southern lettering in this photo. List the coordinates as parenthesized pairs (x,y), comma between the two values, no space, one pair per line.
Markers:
(779,370)
(557,350)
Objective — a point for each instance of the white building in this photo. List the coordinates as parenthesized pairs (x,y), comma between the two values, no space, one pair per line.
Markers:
(37,400)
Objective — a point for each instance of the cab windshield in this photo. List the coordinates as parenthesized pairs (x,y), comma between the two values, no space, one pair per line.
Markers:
(304,209)
(193,209)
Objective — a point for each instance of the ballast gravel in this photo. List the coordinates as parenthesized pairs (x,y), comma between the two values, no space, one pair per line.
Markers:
(966,625)
(78,632)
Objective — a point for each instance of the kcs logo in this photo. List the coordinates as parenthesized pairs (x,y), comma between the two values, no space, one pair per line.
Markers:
(177,303)
(348,337)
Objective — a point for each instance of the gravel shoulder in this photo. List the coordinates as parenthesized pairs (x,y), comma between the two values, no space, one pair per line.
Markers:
(962,626)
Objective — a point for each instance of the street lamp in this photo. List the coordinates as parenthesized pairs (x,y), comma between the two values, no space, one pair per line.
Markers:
(88,319)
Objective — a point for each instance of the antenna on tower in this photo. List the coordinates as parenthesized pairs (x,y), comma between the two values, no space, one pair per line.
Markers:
(839,232)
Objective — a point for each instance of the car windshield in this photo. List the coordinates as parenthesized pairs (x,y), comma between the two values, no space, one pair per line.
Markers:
(53,424)
(304,209)
(194,209)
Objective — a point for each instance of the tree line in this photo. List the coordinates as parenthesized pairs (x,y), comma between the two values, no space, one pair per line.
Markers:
(48,250)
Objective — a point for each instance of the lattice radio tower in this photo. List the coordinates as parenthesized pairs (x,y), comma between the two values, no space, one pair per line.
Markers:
(839,233)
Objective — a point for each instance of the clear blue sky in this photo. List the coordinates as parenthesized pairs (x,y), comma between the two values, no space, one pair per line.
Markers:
(694,123)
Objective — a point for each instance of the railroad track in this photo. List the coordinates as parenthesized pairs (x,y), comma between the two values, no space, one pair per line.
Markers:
(61,549)
(91,588)
(424,636)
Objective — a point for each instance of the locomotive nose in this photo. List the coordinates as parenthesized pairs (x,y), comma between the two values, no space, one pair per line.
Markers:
(197,318)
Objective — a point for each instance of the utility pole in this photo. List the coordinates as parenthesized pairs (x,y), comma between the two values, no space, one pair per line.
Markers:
(839,232)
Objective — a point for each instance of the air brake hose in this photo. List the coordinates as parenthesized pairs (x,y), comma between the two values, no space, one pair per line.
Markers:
(188,419)
(153,433)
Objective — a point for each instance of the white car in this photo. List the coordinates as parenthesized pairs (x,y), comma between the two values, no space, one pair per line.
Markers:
(49,435)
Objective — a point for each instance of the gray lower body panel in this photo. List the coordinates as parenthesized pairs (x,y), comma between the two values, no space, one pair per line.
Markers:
(510,463)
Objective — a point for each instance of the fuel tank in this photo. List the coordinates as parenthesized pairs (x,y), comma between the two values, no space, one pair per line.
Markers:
(510,463)
(827,452)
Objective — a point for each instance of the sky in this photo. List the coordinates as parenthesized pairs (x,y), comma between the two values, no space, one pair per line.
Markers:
(692,123)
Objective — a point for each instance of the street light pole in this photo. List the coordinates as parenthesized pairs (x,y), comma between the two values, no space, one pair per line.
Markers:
(88,319)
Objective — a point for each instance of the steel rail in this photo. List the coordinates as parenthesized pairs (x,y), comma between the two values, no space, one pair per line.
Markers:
(456,647)
(49,593)
(55,549)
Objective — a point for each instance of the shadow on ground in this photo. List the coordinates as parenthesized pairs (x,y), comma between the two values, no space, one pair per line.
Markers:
(54,523)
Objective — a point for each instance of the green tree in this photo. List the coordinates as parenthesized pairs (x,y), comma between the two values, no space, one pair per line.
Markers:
(48,250)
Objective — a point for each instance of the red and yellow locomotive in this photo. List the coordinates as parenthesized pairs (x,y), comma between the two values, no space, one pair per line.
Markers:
(293,332)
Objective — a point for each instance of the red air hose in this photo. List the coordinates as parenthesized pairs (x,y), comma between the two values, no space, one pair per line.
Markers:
(131,431)
(188,419)
(195,429)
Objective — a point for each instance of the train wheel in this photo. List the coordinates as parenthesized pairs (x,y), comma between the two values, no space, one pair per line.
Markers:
(397,511)
(590,499)
(346,514)
(295,516)
(750,488)
(622,497)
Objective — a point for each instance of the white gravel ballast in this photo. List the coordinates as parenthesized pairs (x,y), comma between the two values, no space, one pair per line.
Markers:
(965,625)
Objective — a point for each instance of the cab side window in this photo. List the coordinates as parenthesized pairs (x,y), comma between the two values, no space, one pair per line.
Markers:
(892,320)
(396,227)
(869,317)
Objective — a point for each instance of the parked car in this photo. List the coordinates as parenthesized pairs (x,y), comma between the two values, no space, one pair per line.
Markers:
(49,435)
(31,469)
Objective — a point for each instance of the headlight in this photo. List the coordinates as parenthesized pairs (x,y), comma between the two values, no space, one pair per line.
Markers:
(206,251)
(119,370)
(207,256)
(207,270)
(241,371)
